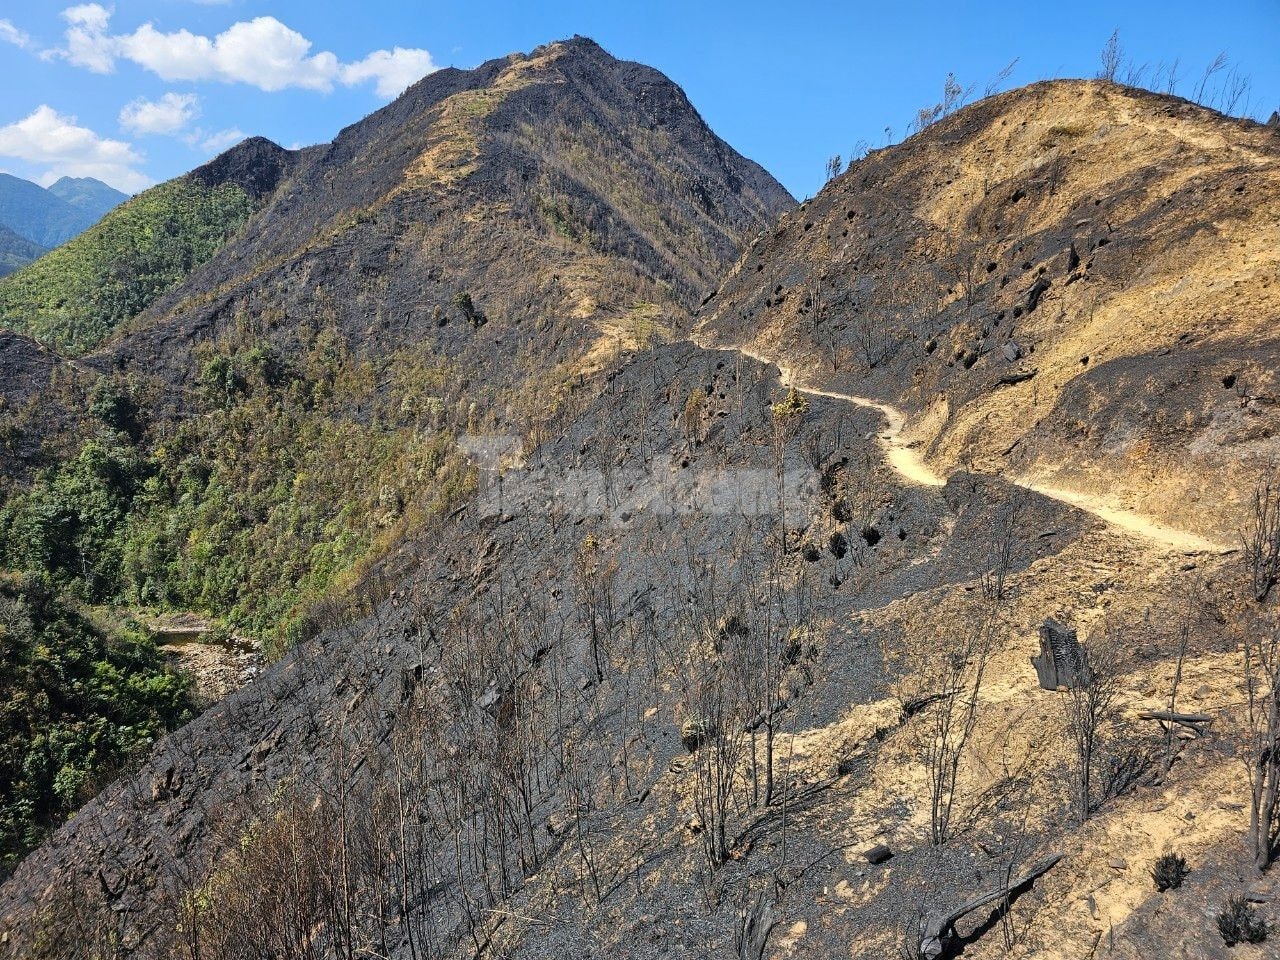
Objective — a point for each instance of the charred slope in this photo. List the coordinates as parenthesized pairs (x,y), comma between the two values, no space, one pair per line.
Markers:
(537,207)
(502,640)
(509,744)
(1073,282)
(28,372)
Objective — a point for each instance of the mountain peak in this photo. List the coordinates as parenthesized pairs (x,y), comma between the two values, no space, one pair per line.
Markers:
(50,217)
(256,164)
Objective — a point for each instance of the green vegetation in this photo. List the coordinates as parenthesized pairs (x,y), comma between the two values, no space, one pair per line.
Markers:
(77,706)
(291,480)
(265,510)
(75,296)
(792,404)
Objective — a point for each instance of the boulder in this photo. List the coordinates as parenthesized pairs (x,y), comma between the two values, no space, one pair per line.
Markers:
(878,854)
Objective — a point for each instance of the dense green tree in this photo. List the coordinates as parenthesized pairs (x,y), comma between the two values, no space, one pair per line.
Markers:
(76,706)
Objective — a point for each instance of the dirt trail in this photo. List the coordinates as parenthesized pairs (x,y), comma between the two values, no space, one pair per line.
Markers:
(905,458)
(901,454)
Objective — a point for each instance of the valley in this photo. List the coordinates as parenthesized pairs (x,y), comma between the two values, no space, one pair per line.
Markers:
(835,563)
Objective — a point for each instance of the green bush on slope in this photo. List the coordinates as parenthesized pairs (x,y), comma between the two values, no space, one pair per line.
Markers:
(76,295)
(271,498)
(76,707)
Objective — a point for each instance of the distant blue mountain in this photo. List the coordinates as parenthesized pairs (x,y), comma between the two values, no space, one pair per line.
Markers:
(90,195)
(51,217)
(16,251)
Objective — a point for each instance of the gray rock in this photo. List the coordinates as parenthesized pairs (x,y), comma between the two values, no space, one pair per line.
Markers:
(878,854)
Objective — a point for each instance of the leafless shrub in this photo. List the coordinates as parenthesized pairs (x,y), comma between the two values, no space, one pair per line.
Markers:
(1260,738)
(711,704)
(1191,615)
(955,675)
(1090,705)
(998,80)
(1217,65)
(1261,536)
(1005,533)
(1112,57)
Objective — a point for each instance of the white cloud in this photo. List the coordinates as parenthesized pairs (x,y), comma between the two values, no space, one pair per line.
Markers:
(19,38)
(168,115)
(56,141)
(394,70)
(217,142)
(87,42)
(90,16)
(262,52)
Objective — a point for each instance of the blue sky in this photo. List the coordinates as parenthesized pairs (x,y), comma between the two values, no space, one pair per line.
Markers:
(142,90)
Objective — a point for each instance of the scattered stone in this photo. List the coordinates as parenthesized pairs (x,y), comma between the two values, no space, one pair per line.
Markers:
(878,854)
(1038,290)
(1012,351)
(1118,863)
(1009,379)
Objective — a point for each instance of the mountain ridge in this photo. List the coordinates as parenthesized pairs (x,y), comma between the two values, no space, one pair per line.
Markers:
(961,341)
(676,678)
(45,217)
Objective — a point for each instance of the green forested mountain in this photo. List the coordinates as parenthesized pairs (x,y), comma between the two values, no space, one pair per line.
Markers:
(77,295)
(73,297)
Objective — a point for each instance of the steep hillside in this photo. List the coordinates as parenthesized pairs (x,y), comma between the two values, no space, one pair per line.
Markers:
(551,723)
(16,251)
(513,217)
(75,297)
(1073,284)
(712,656)
(464,259)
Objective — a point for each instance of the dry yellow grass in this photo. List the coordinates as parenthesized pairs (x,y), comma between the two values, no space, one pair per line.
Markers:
(1182,288)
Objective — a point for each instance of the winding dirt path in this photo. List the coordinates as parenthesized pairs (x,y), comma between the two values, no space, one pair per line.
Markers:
(905,459)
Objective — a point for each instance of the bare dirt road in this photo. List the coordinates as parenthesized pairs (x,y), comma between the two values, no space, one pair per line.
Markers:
(907,461)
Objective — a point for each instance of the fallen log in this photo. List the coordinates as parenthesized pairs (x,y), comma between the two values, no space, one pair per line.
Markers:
(1009,379)
(938,929)
(1192,721)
